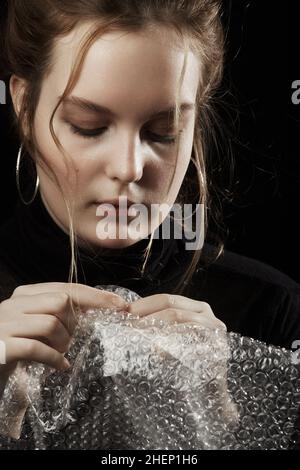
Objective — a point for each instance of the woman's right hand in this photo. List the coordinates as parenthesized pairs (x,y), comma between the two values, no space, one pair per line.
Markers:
(37,323)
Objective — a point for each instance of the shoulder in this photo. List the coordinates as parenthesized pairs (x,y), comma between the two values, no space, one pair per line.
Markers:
(251,297)
(251,270)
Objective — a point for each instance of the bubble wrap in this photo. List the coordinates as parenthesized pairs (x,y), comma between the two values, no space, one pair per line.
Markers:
(140,384)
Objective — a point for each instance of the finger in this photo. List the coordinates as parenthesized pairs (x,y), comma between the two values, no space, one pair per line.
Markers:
(32,350)
(45,328)
(82,295)
(172,315)
(158,302)
(56,304)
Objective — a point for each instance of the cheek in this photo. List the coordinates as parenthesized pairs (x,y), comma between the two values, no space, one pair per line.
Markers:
(182,160)
(166,179)
(185,153)
(51,154)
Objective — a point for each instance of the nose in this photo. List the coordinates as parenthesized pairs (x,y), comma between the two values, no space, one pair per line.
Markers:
(125,163)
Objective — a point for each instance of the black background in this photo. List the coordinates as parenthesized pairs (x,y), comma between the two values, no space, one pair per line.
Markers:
(262,221)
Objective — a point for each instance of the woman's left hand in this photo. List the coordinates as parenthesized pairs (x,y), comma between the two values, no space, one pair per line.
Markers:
(176,308)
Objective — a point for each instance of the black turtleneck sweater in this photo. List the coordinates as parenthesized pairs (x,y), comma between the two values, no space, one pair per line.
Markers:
(250,297)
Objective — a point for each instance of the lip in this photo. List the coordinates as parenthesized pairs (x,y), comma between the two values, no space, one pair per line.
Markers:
(116,202)
(121,207)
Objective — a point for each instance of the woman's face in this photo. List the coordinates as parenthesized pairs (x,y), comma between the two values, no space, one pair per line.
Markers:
(110,127)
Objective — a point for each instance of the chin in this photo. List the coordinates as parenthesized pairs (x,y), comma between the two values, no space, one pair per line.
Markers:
(112,236)
(110,240)
(115,244)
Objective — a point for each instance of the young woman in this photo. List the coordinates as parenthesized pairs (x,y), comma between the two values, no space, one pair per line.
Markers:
(111,99)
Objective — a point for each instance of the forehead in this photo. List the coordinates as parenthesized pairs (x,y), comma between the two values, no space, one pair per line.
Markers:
(132,70)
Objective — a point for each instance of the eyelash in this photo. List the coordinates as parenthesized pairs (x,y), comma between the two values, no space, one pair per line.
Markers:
(94,133)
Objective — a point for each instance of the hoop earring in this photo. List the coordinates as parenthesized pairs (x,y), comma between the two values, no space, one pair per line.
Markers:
(27,203)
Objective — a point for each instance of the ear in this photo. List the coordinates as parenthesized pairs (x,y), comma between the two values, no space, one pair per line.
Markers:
(17,88)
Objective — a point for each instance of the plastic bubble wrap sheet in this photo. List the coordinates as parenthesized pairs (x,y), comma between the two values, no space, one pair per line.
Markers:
(136,384)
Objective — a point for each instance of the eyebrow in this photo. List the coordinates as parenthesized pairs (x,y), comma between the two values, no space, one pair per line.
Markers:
(87,105)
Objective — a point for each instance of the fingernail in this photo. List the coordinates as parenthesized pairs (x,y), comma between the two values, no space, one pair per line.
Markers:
(124,308)
(119,303)
(66,364)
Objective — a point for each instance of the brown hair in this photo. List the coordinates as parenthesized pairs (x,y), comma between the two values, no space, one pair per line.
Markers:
(31,29)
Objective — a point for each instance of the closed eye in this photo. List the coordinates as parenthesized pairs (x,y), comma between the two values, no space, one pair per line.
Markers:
(95,133)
